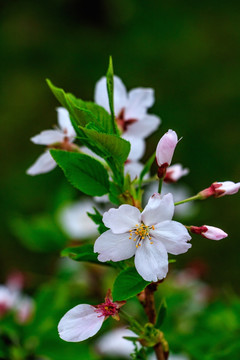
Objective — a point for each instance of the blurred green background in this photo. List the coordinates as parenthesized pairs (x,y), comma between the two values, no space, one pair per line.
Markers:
(188,51)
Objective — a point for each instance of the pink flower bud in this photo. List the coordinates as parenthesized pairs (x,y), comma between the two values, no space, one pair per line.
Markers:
(166,147)
(209,232)
(174,173)
(218,189)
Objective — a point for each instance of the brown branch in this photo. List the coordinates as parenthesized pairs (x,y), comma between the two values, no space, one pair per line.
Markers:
(146,298)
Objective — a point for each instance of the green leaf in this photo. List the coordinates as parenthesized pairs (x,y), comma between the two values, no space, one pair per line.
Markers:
(110,89)
(39,234)
(85,253)
(97,218)
(109,146)
(84,172)
(128,284)
(81,253)
(83,112)
(161,314)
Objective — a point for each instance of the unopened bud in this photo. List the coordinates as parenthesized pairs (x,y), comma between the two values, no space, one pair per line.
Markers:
(165,150)
(209,232)
(166,147)
(219,189)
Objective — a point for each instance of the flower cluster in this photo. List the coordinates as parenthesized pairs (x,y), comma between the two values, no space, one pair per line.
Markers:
(147,234)
(12,300)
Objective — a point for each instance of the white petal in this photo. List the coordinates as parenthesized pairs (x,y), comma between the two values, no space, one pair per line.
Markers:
(65,122)
(43,164)
(48,137)
(173,235)
(144,126)
(122,219)
(115,247)
(151,260)
(80,323)
(133,168)
(139,100)
(119,93)
(158,208)
(137,147)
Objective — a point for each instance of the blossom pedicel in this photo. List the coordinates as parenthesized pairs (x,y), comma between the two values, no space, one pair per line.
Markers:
(84,321)
(165,150)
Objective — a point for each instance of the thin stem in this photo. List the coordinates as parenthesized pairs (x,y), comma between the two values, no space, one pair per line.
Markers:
(160,185)
(195,197)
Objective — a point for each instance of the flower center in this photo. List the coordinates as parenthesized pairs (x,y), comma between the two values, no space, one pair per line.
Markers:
(122,122)
(108,308)
(140,232)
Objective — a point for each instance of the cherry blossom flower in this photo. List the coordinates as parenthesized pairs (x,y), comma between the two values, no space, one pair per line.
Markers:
(75,221)
(84,321)
(209,232)
(7,299)
(114,344)
(219,189)
(24,309)
(149,235)
(60,138)
(175,172)
(165,150)
(131,113)
(179,192)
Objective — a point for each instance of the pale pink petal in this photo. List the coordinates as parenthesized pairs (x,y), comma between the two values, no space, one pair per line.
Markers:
(80,323)
(122,219)
(48,137)
(133,168)
(115,247)
(151,260)
(65,122)
(175,172)
(144,126)
(229,187)
(173,235)
(137,147)
(119,93)
(165,148)
(158,208)
(43,164)
(139,100)
(214,233)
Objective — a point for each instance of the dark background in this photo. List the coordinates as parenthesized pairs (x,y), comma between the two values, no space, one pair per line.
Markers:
(188,51)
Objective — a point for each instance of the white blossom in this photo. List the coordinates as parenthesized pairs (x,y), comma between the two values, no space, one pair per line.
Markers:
(62,136)
(114,344)
(75,221)
(175,172)
(149,235)
(131,113)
